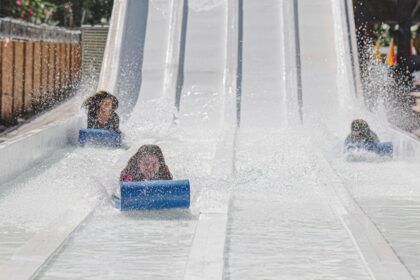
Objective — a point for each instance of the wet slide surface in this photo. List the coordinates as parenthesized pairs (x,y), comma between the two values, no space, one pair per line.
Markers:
(388,192)
(204,64)
(281,224)
(147,245)
(262,70)
(156,244)
(33,200)
(283,220)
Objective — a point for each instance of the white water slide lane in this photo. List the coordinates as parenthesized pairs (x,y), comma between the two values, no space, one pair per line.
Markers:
(281,222)
(186,72)
(157,244)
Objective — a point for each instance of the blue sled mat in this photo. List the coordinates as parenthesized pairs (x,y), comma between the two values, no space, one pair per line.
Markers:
(158,194)
(99,137)
(380,148)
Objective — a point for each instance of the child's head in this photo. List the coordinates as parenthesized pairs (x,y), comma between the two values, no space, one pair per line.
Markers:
(102,100)
(359,127)
(148,161)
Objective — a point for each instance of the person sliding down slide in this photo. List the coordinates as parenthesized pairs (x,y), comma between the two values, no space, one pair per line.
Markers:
(360,133)
(362,139)
(101,111)
(146,184)
(147,164)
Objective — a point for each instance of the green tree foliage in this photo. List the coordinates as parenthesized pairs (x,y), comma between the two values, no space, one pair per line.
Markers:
(70,13)
(83,12)
(36,11)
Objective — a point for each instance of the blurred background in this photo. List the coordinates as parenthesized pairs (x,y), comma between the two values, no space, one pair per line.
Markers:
(64,13)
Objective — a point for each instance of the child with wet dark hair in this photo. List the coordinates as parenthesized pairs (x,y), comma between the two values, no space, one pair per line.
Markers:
(147,164)
(101,111)
(361,133)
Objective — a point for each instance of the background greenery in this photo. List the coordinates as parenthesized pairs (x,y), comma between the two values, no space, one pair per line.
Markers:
(68,13)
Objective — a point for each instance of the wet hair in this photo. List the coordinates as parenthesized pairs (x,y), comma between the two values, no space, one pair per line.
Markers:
(92,103)
(360,125)
(132,168)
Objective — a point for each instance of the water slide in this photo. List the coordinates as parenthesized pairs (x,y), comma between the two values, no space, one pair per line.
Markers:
(251,101)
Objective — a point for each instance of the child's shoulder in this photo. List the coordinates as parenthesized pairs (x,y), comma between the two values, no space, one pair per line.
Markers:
(115,116)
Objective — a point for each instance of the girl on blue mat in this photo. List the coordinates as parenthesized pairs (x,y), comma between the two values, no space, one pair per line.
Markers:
(101,111)
(361,133)
(147,164)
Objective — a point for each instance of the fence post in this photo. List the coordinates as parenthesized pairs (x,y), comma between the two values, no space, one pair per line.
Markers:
(51,72)
(18,77)
(37,71)
(29,75)
(44,74)
(6,97)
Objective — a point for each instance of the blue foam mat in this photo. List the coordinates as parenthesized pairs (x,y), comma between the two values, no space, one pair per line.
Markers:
(99,137)
(157,194)
(380,148)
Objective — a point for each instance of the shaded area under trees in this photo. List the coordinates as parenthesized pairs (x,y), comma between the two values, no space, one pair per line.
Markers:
(68,13)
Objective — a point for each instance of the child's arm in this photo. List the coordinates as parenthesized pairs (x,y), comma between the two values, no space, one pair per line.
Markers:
(168,175)
(115,122)
(90,120)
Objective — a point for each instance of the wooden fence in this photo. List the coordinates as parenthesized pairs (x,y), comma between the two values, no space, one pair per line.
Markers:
(35,72)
